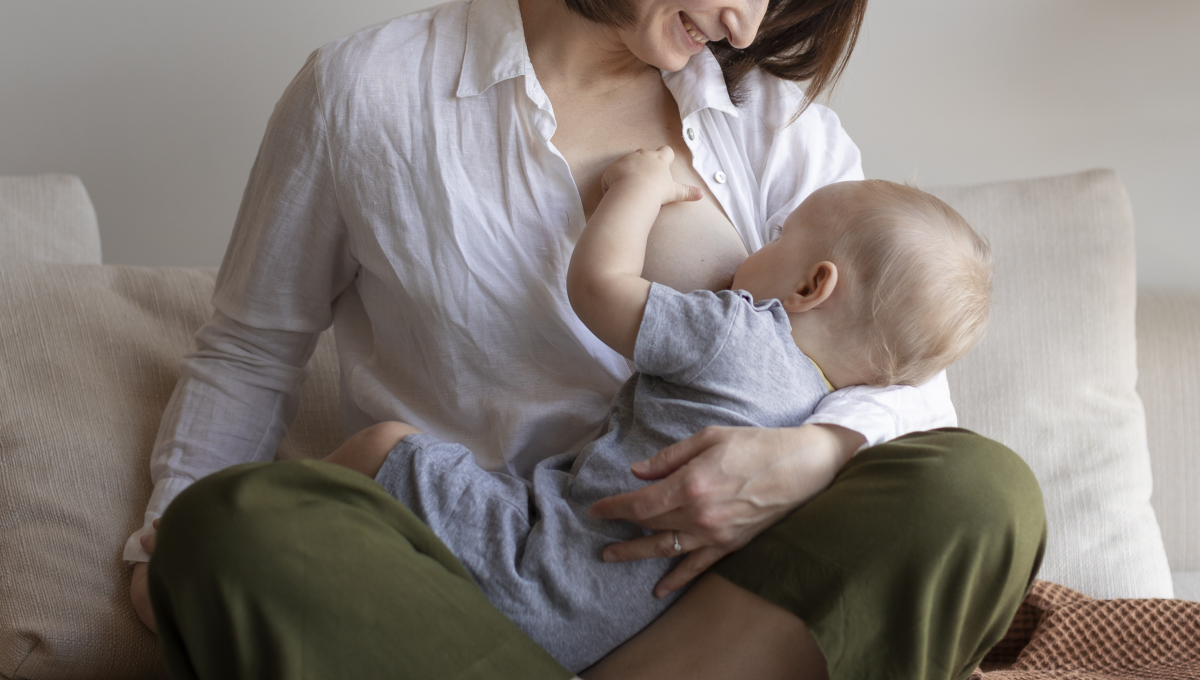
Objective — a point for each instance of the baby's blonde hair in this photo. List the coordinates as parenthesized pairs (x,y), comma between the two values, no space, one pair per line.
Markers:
(919,281)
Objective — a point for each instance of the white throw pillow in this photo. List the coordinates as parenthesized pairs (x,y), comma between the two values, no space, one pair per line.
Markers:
(47,218)
(1054,379)
(89,356)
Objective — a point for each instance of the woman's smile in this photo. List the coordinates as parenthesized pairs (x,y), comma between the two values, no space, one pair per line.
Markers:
(697,36)
(692,38)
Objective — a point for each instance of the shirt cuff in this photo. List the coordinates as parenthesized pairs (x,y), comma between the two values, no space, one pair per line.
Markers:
(165,491)
(881,414)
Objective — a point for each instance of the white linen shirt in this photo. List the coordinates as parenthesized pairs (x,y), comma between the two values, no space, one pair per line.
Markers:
(407,192)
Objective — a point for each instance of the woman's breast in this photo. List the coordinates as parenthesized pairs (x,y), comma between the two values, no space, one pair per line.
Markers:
(693,246)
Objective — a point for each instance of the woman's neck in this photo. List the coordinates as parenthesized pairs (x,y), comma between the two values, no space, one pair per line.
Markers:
(570,53)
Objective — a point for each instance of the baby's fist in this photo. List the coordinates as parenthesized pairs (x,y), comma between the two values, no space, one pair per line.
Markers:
(650,170)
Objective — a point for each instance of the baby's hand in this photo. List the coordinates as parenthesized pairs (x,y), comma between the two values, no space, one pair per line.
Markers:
(648,170)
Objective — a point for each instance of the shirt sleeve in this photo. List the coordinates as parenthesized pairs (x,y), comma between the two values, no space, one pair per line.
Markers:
(884,413)
(287,261)
(236,397)
(681,333)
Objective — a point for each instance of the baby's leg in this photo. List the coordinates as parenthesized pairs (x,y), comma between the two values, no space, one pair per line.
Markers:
(479,514)
(529,545)
(368,449)
(482,516)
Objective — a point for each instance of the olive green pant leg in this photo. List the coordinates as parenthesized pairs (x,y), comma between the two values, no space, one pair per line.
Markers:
(914,561)
(304,569)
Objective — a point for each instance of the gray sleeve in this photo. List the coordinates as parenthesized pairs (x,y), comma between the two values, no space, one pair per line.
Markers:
(711,341)
(682,332)
(725,348)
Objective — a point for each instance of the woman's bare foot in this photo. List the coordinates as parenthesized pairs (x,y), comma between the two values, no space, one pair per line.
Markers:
(717,630)
(367,450)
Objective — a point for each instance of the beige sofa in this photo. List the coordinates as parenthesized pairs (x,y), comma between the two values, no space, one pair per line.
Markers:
(89,354)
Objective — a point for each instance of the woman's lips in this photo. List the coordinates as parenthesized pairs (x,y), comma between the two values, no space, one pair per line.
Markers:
(694,33)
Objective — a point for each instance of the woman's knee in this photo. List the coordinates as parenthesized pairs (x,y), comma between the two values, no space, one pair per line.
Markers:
(972,484)
(204,523)
(240,515)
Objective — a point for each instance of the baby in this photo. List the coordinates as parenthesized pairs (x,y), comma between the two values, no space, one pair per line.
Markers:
(869,283)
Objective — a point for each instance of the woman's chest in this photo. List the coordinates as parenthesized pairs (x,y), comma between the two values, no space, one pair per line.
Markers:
(692,245)
(484,197)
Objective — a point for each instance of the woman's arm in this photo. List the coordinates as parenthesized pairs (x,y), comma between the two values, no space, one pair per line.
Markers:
(722,487)
(287,261)
(237,394)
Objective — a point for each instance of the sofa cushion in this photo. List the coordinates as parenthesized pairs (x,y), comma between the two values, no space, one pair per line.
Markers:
(1055,376)
(88,358)
(48,218)
(1169,382)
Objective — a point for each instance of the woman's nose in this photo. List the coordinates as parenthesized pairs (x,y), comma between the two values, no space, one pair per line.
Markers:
(742,23)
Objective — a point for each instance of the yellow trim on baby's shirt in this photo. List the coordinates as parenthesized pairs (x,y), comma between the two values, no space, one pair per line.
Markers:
(828,385)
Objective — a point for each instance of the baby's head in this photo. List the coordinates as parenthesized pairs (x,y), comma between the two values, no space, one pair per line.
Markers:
(909,281)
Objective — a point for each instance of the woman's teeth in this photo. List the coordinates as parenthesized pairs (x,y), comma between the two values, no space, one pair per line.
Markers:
(693,31)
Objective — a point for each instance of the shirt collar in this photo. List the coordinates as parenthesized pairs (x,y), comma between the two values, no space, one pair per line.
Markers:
(495,46)
(700,85)
(496,51)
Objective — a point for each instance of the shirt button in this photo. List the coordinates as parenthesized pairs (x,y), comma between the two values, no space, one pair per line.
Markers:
(720,177)
(691,134)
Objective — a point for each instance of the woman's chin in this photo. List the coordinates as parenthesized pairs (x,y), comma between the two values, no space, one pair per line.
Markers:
(670,60)
(676,64)
(666,47)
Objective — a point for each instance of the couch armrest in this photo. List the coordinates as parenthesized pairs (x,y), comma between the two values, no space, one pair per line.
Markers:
(47,218)
(1168,336)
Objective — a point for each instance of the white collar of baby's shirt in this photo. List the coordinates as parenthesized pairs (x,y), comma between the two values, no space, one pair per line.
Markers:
(496,51)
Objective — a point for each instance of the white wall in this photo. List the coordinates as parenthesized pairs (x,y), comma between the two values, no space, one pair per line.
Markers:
(960,91)
(160,105)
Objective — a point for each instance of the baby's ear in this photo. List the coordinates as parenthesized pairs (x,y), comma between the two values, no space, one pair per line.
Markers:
(814,289)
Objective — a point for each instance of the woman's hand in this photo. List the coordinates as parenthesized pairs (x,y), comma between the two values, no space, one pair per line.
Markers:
(720,488)
(139,583)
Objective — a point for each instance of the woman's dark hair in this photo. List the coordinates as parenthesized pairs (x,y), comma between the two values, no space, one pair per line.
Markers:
(799,40)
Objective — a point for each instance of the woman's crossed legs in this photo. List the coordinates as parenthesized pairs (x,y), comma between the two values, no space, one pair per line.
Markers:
(910,565)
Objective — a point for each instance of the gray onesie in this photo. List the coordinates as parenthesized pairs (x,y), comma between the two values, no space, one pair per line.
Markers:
(702,359)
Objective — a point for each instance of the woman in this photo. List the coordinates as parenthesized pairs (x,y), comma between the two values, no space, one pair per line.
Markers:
(417,189)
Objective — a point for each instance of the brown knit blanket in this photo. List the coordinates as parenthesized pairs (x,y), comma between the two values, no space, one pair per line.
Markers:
(1061,633)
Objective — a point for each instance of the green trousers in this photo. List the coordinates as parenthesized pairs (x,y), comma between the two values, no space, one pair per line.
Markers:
(910,565)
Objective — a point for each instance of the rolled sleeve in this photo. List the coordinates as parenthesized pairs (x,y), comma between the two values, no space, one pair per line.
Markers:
(883,413)
(286,263)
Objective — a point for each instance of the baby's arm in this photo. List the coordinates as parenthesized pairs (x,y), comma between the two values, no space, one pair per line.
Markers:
(604,282)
